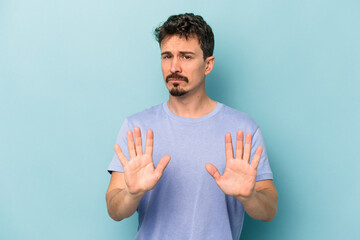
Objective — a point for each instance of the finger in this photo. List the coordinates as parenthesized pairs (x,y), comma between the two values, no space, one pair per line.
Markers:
(239,144)
(138,141)
(121,156)
(213,171)
(131,145)
(256,159)
(149,142)
(164,161)
(229,152)
(247,148)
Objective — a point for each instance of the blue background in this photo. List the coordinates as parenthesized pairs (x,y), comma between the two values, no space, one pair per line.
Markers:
(71,71)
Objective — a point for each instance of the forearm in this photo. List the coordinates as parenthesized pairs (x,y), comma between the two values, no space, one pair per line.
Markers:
(261,205)
(121,204)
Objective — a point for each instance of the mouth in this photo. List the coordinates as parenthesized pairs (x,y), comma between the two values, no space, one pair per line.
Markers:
(176,80)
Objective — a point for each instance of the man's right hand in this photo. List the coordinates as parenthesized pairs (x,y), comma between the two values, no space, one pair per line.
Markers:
(140,173)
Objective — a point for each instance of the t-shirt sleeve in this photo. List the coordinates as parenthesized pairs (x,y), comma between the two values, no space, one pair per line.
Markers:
(115,164)
(263,171)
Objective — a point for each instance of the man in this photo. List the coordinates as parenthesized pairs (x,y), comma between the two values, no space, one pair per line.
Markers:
(187,197)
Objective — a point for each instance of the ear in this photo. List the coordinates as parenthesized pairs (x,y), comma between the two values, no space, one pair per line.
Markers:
(209,64)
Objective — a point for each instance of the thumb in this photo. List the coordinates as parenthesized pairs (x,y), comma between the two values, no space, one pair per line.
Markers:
(164,161)
(212,170)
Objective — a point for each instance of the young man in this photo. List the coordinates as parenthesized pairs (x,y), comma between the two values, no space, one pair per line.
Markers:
(203,191)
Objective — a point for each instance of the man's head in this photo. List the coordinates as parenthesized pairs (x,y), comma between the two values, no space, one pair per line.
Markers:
(188,25)
(187,45)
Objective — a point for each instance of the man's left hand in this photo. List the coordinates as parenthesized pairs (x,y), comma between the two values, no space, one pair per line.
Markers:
(239,177)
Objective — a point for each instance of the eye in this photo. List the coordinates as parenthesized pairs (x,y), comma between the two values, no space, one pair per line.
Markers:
(166,57)
(187,57)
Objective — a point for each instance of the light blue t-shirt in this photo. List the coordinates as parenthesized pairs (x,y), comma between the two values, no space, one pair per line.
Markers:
(186,203)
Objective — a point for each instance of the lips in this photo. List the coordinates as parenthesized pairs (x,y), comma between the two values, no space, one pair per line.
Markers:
(176,80)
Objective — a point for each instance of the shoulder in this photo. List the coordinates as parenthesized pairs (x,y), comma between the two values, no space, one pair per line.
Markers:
(150,114)
(238,118)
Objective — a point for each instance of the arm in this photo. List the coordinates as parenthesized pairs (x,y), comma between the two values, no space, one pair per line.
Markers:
(262,204)
(140,175)
(120,203)
(239,179)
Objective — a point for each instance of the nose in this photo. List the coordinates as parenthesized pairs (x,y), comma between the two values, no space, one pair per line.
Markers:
(175,66)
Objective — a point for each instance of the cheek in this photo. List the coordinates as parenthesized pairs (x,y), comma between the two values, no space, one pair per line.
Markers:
(199,71)
(163,69)
(165,66)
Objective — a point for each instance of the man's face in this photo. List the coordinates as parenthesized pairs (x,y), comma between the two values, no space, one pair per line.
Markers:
(183,66)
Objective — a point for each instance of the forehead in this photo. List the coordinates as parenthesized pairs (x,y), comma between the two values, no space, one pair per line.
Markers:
(176,43)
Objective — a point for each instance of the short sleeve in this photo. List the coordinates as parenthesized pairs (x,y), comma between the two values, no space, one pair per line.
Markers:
(263,171)
(115,164)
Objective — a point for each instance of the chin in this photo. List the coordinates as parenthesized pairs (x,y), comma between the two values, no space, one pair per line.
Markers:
(176,92)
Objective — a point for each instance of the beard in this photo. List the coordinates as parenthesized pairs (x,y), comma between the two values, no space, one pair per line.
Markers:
(176,91)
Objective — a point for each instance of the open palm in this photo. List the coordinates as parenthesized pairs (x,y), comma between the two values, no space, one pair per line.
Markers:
(239,177)
(140,172)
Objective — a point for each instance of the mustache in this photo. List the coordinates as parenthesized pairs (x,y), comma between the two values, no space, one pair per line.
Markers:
(177,76)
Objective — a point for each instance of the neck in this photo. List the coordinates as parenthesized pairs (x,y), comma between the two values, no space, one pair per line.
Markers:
(191,106)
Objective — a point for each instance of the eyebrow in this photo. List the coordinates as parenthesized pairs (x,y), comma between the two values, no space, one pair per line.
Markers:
(165,53)
(181,52)
(187,53)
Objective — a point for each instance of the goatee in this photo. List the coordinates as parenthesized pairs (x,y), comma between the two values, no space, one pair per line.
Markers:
(176,92)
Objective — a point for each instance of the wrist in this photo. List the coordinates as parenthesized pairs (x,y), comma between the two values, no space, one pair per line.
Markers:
(246,199)
(134,196)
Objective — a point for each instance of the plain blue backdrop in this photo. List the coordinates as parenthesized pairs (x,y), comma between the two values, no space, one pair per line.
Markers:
(71,71)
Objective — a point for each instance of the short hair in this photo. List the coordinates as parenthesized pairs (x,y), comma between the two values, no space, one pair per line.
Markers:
(188,25)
